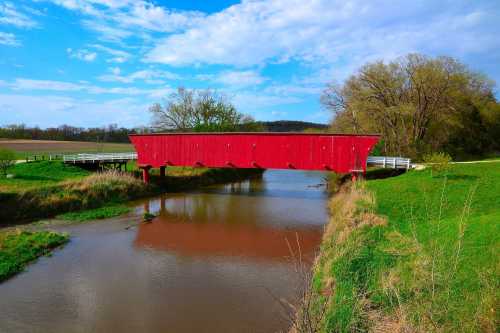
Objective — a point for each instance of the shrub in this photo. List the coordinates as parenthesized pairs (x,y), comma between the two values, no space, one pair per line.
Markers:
(7,159)
(438,162)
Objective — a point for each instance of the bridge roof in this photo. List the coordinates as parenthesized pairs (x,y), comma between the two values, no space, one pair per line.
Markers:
(253,133)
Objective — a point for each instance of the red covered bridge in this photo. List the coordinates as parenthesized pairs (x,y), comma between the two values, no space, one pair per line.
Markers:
(342,153)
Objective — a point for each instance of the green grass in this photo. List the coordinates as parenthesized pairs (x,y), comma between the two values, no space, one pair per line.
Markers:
(38,174)
(95,214)
(454,222)
(17,249)
(433,267)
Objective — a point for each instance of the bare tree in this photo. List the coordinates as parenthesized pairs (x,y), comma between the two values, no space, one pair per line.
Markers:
(197,110)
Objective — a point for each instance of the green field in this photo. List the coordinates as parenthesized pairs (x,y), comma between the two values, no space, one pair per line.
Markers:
(414,253)
(39,174)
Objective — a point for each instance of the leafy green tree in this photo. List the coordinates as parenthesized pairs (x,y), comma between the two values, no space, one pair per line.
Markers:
(198,111)
(7,160)
(419,105)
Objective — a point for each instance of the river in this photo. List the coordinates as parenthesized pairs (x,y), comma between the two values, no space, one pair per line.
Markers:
(214,260)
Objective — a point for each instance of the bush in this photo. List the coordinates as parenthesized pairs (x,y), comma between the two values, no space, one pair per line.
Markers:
(438,162)
(7,159)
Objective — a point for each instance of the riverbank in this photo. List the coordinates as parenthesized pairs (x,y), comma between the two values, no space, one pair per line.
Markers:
(413,253)
(45,189)
(19,248)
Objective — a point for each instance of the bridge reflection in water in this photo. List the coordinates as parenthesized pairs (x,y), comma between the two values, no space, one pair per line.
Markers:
(176,274)
(228,221)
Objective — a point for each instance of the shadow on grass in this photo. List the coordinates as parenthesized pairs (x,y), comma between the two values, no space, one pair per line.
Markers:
(34,177)
(383,173)
(456,177)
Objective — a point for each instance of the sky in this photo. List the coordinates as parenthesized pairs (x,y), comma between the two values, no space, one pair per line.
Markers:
(98,62)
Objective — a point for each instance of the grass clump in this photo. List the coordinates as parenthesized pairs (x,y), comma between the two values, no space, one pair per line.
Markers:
(19,248)
(438,162)
(413,253)
(95,214)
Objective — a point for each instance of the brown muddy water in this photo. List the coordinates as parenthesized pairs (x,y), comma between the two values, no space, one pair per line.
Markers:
(214,260)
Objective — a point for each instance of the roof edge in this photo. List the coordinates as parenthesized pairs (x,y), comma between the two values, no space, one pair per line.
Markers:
(253,133)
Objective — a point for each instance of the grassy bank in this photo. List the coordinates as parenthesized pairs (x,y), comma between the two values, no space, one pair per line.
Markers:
(45,189)
(92,191)
(18,248)
(95,214)
(413,253)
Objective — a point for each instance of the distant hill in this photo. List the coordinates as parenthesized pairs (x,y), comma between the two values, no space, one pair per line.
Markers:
(290,125)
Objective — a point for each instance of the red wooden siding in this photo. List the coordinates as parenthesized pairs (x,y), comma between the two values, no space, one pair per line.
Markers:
(339,153)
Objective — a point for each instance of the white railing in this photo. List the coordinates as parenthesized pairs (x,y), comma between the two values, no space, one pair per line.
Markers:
(389,162)
(378,161)
(99,157)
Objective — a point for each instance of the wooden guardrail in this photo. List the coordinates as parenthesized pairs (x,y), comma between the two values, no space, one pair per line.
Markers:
(99,157)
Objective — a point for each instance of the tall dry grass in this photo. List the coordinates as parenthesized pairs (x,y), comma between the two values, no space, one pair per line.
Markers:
(351,210)
(90,192)
(414,276)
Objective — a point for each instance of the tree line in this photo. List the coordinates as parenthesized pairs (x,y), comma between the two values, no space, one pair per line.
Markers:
(111,133)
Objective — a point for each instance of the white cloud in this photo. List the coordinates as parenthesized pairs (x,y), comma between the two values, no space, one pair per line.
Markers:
(254,101)
(294,89)
(119,56)
(8,39)
(107,32)
(148,16)
(9,15)
(29,84)
(114,20)
(21,84)
(235,78)
(85,7)
(148,75)
(47,111)
(83,54)
(161,92)
(327,32)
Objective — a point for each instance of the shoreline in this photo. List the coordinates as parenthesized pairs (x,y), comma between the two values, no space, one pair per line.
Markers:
(397,253)
(102,189)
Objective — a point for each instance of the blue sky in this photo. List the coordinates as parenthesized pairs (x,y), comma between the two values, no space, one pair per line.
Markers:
(97,62)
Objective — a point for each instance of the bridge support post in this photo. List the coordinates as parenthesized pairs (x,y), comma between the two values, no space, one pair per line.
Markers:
(162,172)
(145,174)
(354,176)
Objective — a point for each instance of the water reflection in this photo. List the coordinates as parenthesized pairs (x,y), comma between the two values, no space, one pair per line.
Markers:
(189,230)
(253,219)
(213,261)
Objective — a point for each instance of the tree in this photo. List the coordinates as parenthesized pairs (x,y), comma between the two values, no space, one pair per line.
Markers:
(7,159)
(417,103)
(199,111)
